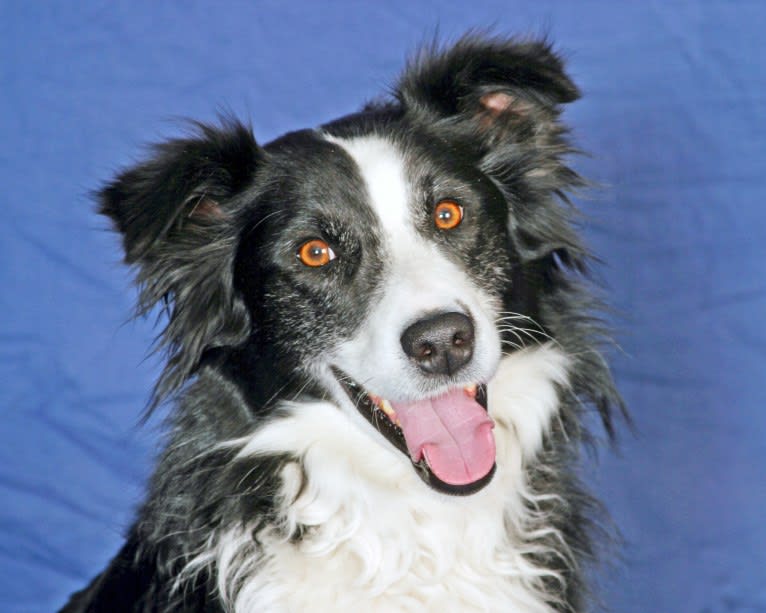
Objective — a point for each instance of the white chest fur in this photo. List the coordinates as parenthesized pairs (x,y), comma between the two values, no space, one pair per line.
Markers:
(378,539)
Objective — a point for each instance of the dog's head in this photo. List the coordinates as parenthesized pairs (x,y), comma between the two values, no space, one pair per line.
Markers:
(386,260)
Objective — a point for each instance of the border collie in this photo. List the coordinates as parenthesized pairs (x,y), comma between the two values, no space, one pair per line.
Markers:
(381,348)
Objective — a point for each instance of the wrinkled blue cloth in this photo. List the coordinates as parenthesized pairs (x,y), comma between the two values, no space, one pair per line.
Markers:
(674,116)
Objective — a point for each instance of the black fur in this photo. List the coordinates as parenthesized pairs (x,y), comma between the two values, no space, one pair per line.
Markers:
(212,223)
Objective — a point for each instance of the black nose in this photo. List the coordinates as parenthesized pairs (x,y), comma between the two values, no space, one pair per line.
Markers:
(440,345)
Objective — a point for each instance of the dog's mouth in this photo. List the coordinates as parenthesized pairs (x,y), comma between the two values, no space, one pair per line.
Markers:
(448,437)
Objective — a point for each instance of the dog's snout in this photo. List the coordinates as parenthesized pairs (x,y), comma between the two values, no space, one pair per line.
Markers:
(441,344)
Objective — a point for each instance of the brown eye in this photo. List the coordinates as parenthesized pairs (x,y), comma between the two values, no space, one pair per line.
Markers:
(315,253)
(448,214)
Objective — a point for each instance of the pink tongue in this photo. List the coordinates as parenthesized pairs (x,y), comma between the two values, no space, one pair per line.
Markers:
(454,434)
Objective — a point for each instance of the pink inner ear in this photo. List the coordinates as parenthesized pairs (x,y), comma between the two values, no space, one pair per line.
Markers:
(206,207)
(497,102)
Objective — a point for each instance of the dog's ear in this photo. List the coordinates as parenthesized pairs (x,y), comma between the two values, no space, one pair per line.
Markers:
(488,82)
(185,183)
(502,99)
(177,213)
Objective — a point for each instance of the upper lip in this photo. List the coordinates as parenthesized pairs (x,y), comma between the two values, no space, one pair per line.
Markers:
(364,402)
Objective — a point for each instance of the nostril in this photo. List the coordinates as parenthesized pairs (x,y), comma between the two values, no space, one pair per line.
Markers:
(426,350)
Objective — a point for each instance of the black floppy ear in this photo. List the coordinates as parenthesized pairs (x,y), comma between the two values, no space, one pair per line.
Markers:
(177,214)
(486,80)
(184,183)
(502,99)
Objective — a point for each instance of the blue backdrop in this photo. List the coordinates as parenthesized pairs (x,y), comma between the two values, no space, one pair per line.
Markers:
(674,115)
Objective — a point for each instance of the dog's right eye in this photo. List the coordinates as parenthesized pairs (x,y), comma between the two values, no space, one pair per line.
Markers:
(315,253)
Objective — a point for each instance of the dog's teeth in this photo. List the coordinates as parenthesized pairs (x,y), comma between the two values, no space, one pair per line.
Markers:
(470,390)
(388,410)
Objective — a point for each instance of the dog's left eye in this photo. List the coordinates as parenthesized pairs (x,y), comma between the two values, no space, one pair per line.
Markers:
(315,253)
(447,215)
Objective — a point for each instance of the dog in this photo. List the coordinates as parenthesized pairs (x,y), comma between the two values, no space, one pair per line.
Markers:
(381,348)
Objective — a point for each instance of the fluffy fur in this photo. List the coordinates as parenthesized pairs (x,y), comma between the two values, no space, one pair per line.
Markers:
(274,492)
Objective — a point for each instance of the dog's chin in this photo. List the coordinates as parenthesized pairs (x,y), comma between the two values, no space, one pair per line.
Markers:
(382,414)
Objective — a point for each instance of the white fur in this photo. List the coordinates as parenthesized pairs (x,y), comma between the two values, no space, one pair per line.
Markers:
(379,539)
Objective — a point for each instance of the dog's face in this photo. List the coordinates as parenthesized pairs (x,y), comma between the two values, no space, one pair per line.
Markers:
(375,261)
(379,262)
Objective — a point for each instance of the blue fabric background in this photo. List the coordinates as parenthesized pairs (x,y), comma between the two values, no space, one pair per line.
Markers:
(674,116)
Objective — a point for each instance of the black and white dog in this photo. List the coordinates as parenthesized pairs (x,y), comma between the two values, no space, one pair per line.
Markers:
(381,350)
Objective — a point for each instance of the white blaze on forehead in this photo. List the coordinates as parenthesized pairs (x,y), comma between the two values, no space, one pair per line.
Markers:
(382,168)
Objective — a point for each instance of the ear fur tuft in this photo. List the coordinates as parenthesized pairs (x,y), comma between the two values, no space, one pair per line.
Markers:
(177,215)
(456,80)
(152,201)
